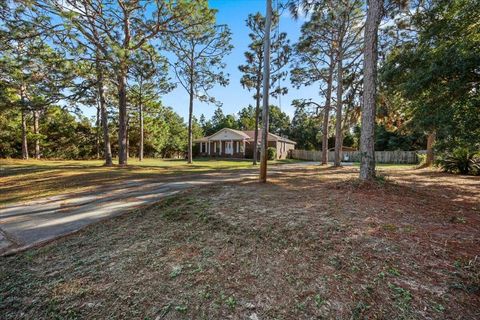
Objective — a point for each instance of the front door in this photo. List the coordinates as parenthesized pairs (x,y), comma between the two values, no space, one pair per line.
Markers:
(228,147)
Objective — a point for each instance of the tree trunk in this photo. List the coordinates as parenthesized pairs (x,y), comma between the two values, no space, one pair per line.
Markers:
(122,116)
(122,91)
(97,124)
(190,131)
(107,149)
(140,147)
(24,135)
(127,148)
(326,115)
(36,131)
(265,95)
(367,138)
(257,115)
(338,122)
(430,155)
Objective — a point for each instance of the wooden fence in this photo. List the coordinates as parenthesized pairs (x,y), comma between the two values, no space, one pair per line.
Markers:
(400,157)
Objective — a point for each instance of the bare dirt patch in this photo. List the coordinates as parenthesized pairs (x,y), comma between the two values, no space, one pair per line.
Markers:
(309,244)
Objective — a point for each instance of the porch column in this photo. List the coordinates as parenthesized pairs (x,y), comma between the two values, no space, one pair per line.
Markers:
(208,147)
(220,142)
(243,143)
(231,146)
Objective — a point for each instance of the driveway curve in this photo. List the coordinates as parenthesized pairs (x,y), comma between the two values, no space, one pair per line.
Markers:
(24,225)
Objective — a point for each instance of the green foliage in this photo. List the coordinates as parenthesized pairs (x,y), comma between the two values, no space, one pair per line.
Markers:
(246,118)
(391,140)
(460,160)
(199,51)
(271,153)
(219,121)
(422,158)
(280,56)
(62,135)
(10,133)
(279,121)
(304,130)
(436,73)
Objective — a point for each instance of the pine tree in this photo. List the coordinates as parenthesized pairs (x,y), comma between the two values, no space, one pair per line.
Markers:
(149,74)
(199,51)
(367,139)
(119,29)
(252,71)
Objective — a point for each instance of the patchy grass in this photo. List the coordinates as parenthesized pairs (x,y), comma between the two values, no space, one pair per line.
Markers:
(309,244)
(22,180)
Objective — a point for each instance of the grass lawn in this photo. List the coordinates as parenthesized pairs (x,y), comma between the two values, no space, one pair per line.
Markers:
(22,180)
(310,244)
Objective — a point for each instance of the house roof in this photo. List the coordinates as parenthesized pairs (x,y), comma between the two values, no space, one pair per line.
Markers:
(248,135)
(271,136)
(242,133)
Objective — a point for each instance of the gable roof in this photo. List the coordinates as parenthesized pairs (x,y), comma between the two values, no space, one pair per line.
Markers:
(248,135)
(237,132)
(271,136)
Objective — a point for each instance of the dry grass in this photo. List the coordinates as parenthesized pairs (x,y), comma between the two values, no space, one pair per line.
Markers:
(309,244)
(22,180)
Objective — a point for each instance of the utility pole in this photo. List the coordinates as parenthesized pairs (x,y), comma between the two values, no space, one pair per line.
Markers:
(266,84)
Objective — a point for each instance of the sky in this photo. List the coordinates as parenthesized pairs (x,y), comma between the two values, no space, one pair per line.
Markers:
(234,13)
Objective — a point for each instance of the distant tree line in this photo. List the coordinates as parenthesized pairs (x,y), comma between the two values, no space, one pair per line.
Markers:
(390,75)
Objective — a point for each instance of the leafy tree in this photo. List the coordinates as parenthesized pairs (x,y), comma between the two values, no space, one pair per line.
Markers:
(434,77)
(207,126)
(246,118)
(279,121)
(66,136)
(199,51)
(10,131)
(252,71)
(33,77)
(220,120)
(304,130)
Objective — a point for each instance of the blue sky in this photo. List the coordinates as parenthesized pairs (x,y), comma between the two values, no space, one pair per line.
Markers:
(234,14)
(234,97)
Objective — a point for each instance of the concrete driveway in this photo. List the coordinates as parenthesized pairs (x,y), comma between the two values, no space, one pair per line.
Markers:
(32,223)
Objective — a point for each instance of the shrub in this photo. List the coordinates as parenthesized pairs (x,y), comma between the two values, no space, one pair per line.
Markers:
(460,160)
(476,165)
(271,153)
(422,159)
